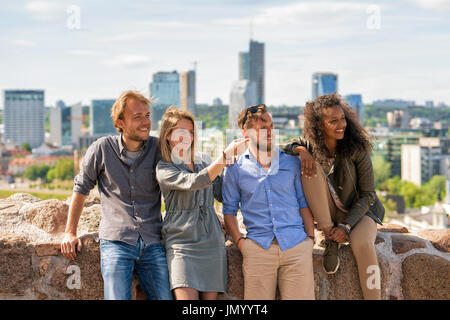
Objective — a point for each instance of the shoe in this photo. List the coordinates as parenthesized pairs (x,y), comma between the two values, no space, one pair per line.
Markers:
(330,259)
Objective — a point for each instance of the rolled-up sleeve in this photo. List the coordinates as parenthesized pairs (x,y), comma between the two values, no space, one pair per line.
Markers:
(170,177)
(301,199)
(86,180)
(230,191)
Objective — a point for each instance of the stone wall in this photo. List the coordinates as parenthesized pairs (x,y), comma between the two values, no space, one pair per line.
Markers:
(413,266)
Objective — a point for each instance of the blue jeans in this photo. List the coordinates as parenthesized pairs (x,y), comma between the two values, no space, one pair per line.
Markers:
(118,262)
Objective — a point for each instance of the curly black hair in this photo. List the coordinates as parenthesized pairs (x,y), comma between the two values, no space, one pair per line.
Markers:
(355,136)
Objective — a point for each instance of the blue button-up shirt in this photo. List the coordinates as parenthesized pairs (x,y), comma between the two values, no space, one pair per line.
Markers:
(269,201)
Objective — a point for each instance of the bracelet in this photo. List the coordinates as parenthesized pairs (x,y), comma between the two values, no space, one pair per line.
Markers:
(345,227)
(237,242)
(311,237)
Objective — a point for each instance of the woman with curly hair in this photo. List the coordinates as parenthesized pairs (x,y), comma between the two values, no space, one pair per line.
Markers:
(338,183)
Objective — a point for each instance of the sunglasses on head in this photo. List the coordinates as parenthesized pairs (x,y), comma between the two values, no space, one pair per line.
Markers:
(252,109)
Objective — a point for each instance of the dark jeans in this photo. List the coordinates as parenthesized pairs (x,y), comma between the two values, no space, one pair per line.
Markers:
(118,262)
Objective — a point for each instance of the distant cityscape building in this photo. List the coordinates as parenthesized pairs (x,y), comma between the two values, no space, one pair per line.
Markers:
(165,90)
(429,104)
(243,94)
(411,170)
(251,67)
(100,118)
(398,119)
(217,102)
(420,123)
(244,66)
(65,124)
(429,157)
(324,83)
(355,101)
(394,103)
(187,91)
(256,69)
(23,116)
(394,151)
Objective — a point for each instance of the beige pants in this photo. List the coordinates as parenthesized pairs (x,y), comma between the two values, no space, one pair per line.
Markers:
(291,270)
(361,238)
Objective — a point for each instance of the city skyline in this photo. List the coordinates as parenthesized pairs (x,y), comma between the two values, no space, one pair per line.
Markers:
(118,47)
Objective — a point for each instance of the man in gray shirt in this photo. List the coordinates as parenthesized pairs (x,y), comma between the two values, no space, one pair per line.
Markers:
(123,166)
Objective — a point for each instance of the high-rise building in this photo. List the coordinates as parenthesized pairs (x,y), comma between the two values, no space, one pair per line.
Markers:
(355,101)
(256,68)
(24,117)
(410,161)
(394,150)
(398,119)
(429,157)
(244,66)
(243,94)
(429,104)
(165,91)
(217,102)
(60,129)
(187,91)
(100,118)
(324,83)
(76,122)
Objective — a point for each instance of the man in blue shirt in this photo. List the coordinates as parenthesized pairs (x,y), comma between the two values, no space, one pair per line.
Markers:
(264,183)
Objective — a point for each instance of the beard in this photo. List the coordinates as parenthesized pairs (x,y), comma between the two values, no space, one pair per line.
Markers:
(135,137)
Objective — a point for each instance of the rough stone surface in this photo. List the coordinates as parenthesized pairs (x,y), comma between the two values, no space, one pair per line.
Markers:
(32,267)
(440,239)
(24,197)
(402,243)
(48,215)
(16,272)
(235,285)
(426,276)
(392,228)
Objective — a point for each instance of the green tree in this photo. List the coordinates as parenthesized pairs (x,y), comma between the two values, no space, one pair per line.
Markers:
(64,170)
(34,172)
(437,186)
(26,146)
(381,170)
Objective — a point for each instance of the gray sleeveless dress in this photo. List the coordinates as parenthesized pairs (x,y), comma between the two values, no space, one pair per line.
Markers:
(191,232)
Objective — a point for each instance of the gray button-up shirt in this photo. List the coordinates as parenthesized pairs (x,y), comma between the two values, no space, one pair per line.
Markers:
(130,196)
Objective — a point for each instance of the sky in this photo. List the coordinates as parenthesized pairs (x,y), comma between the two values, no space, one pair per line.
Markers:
(79,50)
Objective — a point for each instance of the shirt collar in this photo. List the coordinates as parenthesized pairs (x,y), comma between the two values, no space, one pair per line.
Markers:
(122,147)
(248,155)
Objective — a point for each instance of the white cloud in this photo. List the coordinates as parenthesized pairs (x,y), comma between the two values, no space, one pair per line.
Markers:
(128,61)
(317,13)
(46,10)
(23,43)
(129,37)
(315,21)
(79,52)
(432,4)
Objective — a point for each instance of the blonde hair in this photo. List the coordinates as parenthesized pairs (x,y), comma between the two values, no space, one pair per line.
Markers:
(168,123)
(119,105)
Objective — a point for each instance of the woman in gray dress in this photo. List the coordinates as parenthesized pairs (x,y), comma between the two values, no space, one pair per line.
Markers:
(191,231)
